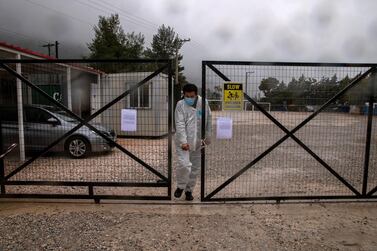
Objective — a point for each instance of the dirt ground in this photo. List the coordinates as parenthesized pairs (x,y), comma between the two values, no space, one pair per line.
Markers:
(175,226)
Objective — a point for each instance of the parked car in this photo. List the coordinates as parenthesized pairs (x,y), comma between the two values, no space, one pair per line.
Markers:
(309,108)
(45,124)
(341,108)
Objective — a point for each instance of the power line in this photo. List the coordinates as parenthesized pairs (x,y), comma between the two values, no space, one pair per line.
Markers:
(102,10)
(25,37)
(101,7)
(59,12)
(151,24)
(20,35)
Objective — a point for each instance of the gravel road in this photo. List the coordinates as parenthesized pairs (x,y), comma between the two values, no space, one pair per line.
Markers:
(80,226)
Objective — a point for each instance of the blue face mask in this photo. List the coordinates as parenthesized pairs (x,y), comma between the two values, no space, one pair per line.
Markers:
(190,101)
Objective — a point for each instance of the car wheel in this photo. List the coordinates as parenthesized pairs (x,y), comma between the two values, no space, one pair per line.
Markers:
(77,147)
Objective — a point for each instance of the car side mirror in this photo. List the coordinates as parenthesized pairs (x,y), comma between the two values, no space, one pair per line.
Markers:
(53,121)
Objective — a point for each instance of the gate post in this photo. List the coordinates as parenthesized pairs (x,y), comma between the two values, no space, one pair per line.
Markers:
(371,100)
(203,156)
(2,179)
(170,125)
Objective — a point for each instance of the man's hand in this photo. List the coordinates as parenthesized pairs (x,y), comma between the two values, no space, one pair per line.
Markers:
(185,147)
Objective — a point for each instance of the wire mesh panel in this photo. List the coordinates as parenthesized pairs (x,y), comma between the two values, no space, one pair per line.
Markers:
(302,131)
(372,174)
(82,126)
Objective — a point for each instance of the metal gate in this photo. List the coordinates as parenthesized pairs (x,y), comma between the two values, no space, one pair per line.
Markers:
(102,132)
(305,131)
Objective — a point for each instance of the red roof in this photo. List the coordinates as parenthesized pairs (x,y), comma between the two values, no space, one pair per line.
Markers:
(26,51)
(44,56)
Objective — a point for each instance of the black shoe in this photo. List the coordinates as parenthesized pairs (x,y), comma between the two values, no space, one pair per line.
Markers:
(189,196)
(178,193)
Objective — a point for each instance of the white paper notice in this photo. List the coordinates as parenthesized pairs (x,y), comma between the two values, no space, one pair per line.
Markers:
(224,128)
(129,120)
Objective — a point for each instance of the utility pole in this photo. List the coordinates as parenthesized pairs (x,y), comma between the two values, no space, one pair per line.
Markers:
(49,45)
(56,49)
(179,45)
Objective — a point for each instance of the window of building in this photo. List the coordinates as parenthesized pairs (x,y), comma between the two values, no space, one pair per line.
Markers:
(141,97)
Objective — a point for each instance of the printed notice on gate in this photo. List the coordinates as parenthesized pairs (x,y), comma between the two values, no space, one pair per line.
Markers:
(232,96)
(129,120)
(224,128)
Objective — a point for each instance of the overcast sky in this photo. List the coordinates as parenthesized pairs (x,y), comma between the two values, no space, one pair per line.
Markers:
(285,30)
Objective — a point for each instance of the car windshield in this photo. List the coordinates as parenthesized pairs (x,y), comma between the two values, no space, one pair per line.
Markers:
(65,116)
(62,114)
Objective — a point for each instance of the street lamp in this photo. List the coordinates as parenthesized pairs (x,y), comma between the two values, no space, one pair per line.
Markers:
(246,77)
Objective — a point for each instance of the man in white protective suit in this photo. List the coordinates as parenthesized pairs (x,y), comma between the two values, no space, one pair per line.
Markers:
(188,121)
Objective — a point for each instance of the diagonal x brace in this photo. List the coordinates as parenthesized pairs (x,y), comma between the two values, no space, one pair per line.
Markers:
(289,134)
(83,122)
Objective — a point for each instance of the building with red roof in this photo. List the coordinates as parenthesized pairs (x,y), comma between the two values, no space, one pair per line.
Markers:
(71,84)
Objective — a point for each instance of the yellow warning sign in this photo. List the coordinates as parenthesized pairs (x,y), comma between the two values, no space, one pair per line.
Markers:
(232,96)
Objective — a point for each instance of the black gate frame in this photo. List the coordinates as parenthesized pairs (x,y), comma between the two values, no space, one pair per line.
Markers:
(164,65)
(290,134)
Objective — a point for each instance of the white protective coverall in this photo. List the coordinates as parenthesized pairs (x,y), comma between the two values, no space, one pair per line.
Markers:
(188,121)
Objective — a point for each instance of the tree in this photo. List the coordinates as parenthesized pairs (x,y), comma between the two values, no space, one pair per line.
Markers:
(267,85)
(134,45)
(309,91)
(165,45)
(110,42)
